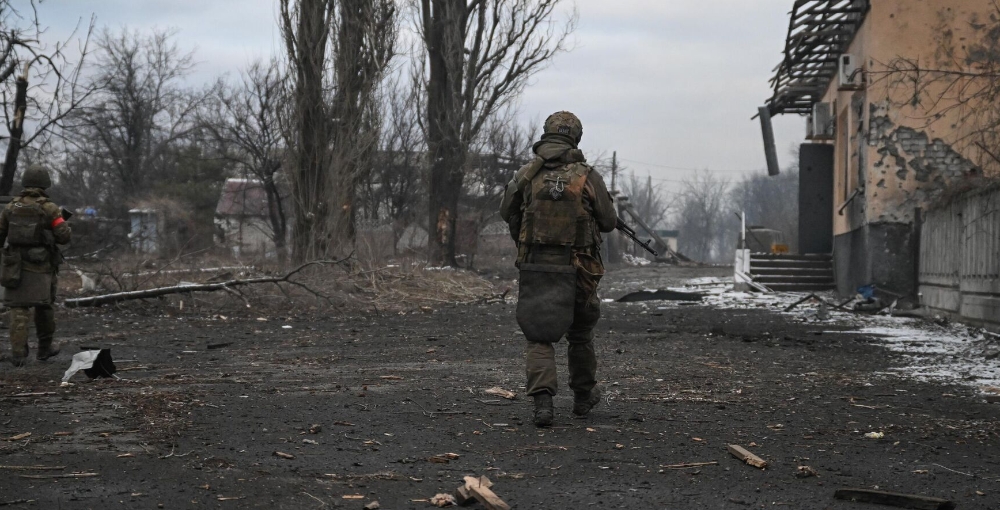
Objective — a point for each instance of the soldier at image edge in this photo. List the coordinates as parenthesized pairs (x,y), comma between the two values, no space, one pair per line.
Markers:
(31,226)
(556,207)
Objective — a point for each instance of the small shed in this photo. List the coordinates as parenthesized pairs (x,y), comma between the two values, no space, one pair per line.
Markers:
(241,218)
(145,231)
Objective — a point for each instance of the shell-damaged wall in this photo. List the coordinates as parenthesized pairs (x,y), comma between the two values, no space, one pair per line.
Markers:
(905,149)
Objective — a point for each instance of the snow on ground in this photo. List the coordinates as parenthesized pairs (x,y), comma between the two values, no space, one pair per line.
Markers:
(936,350)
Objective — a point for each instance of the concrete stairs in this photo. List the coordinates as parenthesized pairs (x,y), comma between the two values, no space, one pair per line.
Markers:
(793,273)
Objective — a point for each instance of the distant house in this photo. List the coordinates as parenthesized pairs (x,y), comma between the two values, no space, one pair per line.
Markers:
(670,237)
(241,219)
(146,230)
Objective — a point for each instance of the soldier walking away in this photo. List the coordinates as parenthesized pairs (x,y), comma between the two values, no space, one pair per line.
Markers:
(30,228)
(556,207)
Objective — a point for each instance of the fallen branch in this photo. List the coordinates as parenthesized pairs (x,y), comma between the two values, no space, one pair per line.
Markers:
(689,465)
(799,302)
(34,468)
(71,475)
(894,499)
(226,286)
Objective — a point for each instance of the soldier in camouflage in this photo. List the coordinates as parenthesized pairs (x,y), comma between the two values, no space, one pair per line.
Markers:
(556,207)
(30,228)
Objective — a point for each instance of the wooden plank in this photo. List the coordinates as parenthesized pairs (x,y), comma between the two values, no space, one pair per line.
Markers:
(743,454)
(894,499)
(481,491)
(462,495)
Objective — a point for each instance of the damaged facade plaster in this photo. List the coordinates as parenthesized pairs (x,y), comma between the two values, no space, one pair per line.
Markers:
(893,154)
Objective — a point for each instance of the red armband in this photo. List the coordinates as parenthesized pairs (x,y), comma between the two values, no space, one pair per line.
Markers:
(58,221)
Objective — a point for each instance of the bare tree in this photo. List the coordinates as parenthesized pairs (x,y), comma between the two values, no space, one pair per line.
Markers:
(139,110)
(392,190)
(338,53)
(246,121)
(47,89)
(702,217)
(477,57)
(504,146)
(771,202)
(649,200)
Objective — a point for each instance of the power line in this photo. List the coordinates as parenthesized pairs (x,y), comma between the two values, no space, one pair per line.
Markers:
(668,167)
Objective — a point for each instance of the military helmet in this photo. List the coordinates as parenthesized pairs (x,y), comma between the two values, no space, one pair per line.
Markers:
(564,123)
(36,176)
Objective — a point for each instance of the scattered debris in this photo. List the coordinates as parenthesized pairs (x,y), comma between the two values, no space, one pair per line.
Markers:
(894,499)
(94,363)
(799,302)
(689,465)
(34,468)
(70,475)
(660,295)
(19,437)
(443,500)
(444,458)
(875,435)
(479,488)
(316,428)
(373,506)
(391,378)
(806,472)
(352,496)
(500,392)
(284,455)
(743,454)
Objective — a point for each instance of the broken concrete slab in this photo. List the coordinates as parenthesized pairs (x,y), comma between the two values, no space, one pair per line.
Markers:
(660,295)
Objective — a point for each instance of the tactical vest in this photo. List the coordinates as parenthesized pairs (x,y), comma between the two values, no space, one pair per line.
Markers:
(554,214)
(26,224)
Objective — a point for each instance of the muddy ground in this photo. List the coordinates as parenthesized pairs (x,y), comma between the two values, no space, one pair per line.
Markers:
(209,398)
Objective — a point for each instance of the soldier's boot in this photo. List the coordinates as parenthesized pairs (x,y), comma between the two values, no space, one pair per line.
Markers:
(45,328)
(584,402)
(19,319)
(583,373)
(543,410)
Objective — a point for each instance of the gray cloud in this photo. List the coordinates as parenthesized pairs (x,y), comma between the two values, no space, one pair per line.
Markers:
(671,83)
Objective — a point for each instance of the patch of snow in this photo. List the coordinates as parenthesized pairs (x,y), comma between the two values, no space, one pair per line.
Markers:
(632,260)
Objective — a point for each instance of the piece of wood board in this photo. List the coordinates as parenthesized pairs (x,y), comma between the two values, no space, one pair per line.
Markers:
(480,489)
(746,456)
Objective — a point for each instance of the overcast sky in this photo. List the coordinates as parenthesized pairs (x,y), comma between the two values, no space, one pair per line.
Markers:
(669,84)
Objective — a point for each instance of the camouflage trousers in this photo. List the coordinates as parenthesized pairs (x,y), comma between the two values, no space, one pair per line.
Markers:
(20,322)
(540,358)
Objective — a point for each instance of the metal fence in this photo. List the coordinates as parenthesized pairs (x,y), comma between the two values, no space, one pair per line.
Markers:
(960,257)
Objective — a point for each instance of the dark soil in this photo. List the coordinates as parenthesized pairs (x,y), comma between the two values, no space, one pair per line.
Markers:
(193,426)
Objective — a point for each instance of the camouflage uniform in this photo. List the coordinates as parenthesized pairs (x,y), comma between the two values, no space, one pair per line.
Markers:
(30,228)
(556,207)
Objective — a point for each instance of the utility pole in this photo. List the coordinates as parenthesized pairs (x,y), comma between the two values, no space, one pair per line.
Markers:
(613,247)
(614,172)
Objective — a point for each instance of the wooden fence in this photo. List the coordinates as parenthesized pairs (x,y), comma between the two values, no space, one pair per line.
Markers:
(960,258)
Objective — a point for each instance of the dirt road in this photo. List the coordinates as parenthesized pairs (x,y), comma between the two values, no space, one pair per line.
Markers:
(219,411)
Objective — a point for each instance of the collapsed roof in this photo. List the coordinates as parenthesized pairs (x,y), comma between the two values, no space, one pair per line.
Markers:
(818,33)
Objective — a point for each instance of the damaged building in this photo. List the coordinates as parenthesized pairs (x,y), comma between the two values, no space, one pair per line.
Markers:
(885,86)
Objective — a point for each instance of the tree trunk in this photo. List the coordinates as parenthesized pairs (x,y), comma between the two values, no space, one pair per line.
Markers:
(445,32)
(311,238)
(16,132)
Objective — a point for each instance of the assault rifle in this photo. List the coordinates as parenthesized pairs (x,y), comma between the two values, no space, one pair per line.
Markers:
(629,233)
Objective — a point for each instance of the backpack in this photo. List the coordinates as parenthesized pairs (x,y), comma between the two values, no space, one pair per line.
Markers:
(555,214)
(26,224)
